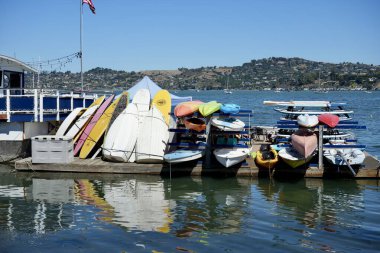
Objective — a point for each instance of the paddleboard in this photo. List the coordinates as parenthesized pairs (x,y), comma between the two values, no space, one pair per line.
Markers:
(121,136)
(163,103)
(92,124)
(85,118)
(70,119)
(103,124)
(152,138)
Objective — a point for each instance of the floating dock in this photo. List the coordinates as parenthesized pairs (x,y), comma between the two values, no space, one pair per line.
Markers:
(370,169)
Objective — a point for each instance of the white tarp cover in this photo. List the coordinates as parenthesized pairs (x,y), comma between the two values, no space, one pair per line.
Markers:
(147,83)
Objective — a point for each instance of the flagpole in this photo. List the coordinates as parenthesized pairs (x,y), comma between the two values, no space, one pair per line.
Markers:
(81,51)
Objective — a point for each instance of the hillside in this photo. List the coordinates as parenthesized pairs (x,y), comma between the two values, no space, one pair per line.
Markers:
(274,72)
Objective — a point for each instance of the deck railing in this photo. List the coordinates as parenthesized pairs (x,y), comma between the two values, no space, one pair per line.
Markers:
(39,105)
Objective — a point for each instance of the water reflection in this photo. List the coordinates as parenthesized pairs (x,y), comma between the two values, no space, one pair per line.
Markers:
(183,207)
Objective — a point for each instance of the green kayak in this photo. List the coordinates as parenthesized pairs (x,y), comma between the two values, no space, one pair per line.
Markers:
(209,108)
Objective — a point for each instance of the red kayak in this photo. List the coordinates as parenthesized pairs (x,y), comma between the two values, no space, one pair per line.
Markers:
(187,108)
(330,120)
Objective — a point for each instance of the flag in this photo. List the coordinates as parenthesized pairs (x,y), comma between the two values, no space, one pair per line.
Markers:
(90,4)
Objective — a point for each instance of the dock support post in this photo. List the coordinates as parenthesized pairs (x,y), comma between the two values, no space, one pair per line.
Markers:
(8,105)
(41,106)
(58,106)
(35,107)
(84,99)
(320,147)
(207,163)
(71,100)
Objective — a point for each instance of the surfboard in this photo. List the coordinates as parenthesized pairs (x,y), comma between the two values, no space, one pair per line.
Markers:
(152,138)
(85,118)
(142,102)
(163,103)
(123,102)
(70,119)
(103,124)
(92,124)
(122,135)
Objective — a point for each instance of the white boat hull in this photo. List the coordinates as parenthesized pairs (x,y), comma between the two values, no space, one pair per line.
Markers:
(229,157)
(352,156)
(228,124)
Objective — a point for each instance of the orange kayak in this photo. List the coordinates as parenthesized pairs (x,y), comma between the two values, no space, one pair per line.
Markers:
(187,108)
(195,124)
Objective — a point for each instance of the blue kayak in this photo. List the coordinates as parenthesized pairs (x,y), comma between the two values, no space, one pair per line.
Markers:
(230,108)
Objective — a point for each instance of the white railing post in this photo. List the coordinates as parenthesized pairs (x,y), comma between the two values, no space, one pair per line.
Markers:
(35,108)
(8,105)
(41,106)
(58,106)
(72,101)
(84,99)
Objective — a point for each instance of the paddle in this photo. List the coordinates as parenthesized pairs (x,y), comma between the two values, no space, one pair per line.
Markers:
(345,160)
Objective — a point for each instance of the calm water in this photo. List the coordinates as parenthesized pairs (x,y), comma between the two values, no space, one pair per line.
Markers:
(119,213)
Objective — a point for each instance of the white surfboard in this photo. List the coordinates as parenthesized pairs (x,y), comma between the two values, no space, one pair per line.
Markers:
(121,136)
(142,102)
(152,138)
(79,123)
(69,120)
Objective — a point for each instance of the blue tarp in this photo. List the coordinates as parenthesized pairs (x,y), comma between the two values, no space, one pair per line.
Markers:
(147,83)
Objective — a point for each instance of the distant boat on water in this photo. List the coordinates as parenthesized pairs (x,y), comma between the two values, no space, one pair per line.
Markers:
(227,91)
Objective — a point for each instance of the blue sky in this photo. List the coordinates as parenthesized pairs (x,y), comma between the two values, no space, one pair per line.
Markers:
(169,34)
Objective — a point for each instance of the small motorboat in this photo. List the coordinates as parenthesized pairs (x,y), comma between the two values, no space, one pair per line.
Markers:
(209,108)
(187,108)
(231,156)
(304,141)
(196,124)
(228,124)
(330,120)
(307,120)
(266,157)
(183,155)
(230,108)
(294,159)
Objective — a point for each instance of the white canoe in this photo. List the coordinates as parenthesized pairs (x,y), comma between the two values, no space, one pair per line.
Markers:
(353,156)
(228,124)
(306,120)
(69,120)
(183,155)
(79,123)
(231,156)
(294,159)
(121,137)
(152,138)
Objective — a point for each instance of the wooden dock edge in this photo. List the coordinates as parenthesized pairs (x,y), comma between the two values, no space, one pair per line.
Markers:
(249,169)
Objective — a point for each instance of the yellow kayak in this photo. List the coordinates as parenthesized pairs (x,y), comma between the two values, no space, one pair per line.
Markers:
(266,157)
(209,108)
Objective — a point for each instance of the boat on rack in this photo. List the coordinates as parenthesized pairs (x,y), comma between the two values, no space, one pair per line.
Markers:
(231,156)
(343,156)
(294,159)
(306,120)
(228,124)
(183,155)
(209,108)
(292,109)
(187,108)
(266,157)
(305,142)
(196,124)
(329,120)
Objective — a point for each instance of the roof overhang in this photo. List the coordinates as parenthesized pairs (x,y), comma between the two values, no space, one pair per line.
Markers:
(12,64)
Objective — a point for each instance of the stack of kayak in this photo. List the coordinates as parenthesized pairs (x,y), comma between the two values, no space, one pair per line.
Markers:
(194,116)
